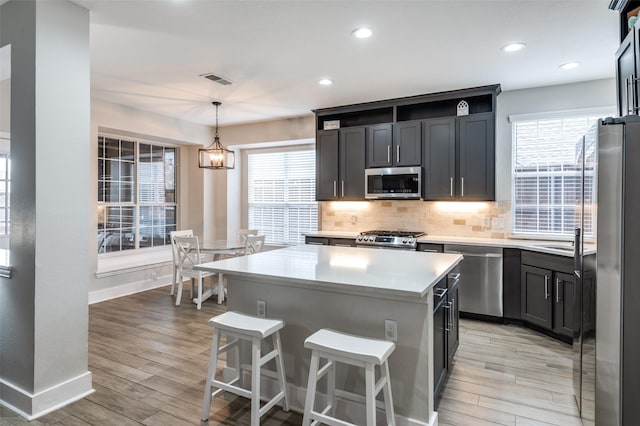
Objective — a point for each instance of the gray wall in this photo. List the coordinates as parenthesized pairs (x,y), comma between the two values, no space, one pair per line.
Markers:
(44,313)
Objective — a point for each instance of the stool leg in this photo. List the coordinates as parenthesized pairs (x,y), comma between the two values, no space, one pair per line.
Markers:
(370,385)
(213,361)
(311,388)
(174,279)
(255,382)
(220,288)
(388,399)
(236,362)
(280,370)
(331,387)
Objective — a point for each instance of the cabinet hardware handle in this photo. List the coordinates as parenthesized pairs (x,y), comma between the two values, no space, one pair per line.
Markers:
(443,291)
(342,245)
(626,93)
(431,250)
(546,287)
(451,316)
(451,186)
(316,244)
(462,190)
(447,326)
(557,290)
(398,154)
(343,188)
(388,153)
(335,188)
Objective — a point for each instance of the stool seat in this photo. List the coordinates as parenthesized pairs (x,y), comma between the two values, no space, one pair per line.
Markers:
(349,346)
(245,324)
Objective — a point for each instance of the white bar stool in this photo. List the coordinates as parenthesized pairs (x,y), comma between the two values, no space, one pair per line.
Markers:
(252,329)
(353,350)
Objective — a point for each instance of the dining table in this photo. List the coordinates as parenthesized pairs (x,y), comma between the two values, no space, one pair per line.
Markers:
(219,248)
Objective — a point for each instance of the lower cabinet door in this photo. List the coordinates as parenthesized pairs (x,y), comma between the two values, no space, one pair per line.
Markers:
(563,300)
(454,329)
(440,318)
(536,296)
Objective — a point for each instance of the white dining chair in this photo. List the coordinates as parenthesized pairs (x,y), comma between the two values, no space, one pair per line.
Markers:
(175,255)
(254,244)
(189,256)
(243,234)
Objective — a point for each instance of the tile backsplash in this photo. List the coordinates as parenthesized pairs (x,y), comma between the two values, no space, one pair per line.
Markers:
(463,219)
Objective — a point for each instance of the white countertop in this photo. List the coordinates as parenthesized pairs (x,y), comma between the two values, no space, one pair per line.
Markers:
(382,272)
(541,246)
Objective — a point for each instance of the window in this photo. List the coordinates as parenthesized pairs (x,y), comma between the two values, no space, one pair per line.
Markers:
(281,194)
(136,194)
(547,176)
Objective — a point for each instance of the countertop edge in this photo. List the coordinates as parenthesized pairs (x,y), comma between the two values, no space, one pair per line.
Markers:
(531,245)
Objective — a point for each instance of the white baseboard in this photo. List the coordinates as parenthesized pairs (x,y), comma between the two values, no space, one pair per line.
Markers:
(32,406)
(127,289)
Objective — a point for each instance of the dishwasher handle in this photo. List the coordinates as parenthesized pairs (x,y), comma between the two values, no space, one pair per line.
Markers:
(474,254)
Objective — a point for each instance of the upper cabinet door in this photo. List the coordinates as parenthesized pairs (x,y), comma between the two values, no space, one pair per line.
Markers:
(379,145)
(352,149)
(407,143)
(626,73)
(327,165)
(439,159)
(476,156)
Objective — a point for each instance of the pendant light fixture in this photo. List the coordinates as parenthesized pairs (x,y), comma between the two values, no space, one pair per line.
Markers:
(216,156)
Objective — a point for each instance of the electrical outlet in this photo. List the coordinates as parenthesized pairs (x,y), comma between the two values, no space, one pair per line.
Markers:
(262,308)
(354,219)
(497,222)
(154,276)
(391,330)
(487,222)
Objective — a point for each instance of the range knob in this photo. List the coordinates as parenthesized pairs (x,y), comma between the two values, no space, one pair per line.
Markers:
(359,238)
(404,241)
(372,239)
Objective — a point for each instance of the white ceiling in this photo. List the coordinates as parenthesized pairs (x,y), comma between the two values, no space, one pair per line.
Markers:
(149,54)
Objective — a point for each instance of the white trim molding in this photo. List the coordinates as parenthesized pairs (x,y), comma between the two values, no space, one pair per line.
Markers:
(101,295)
(32,406)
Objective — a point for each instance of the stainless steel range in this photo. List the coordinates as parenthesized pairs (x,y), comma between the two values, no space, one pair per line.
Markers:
(389,239)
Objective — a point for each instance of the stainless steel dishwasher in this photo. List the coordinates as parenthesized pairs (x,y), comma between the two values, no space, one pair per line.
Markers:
(480,279)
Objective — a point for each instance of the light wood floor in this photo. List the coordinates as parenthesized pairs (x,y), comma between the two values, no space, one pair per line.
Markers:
(149,359)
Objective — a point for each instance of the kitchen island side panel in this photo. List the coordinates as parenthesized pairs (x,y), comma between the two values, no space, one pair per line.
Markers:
(306,310)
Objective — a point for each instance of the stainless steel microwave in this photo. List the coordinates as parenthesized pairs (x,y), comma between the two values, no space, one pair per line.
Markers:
(393,183)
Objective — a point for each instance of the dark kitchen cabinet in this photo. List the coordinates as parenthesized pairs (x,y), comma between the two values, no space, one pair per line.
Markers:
(453,338)
(440,345)
(398,145)
(430,247)
(627,72)
(340,164)
(446,330)
(536,297)
(564,297)
(459,158)
(456,152)
(476,157)
(407,144)
(326,241)
(439,159)
(379,145)
(548,292)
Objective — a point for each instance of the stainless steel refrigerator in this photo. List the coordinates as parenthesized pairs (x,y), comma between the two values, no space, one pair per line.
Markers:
(607,369)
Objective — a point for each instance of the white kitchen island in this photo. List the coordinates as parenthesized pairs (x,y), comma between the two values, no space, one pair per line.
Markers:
(353,290)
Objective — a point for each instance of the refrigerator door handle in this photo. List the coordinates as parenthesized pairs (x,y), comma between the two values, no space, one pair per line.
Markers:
(577,252)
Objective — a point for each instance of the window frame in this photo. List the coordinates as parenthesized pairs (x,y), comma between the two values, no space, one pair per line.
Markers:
(136,203)
(245,178)
(513,119)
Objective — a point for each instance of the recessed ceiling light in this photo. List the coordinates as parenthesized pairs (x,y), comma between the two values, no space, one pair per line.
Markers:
(513,47)
(362,32)
(325,82)
(570,65)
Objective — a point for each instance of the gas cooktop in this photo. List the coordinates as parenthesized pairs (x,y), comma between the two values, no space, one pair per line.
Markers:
(389,239)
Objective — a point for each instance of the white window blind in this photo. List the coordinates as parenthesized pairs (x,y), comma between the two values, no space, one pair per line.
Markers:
(547,173)
(281,195)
